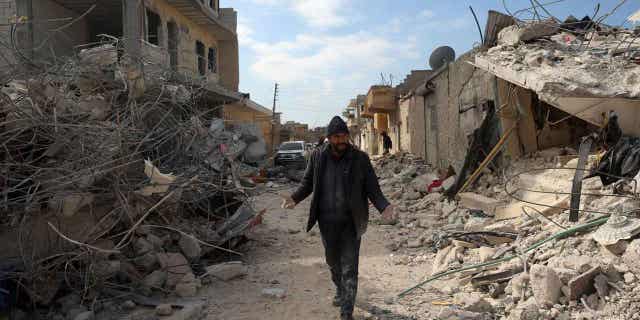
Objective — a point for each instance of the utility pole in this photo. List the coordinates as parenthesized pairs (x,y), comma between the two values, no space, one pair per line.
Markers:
(273,119)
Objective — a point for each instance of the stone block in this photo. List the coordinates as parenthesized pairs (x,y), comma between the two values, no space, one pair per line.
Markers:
(583,284)
(546,285)
(472,200)
(227,271)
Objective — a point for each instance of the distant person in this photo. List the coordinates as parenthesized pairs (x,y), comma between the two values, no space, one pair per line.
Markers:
(342,181)
(320,141)
(386,142)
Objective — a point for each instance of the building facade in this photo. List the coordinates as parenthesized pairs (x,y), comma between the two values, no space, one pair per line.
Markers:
(193,42)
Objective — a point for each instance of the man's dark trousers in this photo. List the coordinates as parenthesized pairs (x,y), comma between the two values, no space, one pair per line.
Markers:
(342,253)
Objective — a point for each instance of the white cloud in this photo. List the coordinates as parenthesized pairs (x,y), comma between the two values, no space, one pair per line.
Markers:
(317,58)
(316,13)
(321,13)
(245,33)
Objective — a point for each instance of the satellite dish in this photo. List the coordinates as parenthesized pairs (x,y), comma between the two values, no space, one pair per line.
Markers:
(441,56)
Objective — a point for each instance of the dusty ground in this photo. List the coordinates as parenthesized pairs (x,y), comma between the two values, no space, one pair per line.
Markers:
(282,255)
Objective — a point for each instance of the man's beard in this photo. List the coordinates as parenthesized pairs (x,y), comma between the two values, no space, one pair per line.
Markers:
(339,148)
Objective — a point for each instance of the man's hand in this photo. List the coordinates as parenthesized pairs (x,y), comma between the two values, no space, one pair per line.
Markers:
(288,203)
(389,215)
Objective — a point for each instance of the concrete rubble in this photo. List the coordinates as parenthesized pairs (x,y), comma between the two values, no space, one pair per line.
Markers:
(567,278)
(139,195)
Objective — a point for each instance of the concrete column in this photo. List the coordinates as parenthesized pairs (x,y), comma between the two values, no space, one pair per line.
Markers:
(133,26)
(25,31)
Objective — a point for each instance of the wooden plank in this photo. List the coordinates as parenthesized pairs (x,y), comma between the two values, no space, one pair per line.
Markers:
(508,116)
(527,132)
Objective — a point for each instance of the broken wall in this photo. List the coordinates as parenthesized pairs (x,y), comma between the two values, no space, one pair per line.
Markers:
(538,125)
(412,125)
(239,113)
(456,102)
(188,33)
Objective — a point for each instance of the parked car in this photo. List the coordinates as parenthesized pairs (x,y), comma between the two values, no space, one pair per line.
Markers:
(292,153)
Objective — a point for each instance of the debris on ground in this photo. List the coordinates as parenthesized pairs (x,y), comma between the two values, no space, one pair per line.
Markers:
(108,198)
(568,276)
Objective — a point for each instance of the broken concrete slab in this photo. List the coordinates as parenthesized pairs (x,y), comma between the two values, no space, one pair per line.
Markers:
(601,283)
(583,284)
(176,266)
(190,247)
(513,35)
(545,284)
(554,206)
(473,302)
(155,279)
(445,257)
(188,286)
(472,200)
(631,256)
(228,270)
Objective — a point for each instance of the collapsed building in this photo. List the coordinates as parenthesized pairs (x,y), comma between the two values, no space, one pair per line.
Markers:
(128,156)
(519,188)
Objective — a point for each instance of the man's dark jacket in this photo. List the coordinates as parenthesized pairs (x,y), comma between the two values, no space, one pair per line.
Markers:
(363,185)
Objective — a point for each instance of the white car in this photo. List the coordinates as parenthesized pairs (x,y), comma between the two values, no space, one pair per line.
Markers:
(292,153)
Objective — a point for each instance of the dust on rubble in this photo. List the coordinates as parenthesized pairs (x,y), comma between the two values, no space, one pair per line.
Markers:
(570,277)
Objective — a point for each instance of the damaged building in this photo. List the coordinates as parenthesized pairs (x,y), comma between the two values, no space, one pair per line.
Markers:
(128,153)
(515,173)
(190,41)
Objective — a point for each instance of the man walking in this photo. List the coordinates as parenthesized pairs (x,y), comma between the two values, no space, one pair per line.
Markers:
(341,179)
(386,142)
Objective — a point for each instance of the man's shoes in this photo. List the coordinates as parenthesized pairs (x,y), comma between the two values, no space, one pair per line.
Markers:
(337,301)
(345,316)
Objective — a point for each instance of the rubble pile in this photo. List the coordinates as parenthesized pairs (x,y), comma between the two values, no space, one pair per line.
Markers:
(505,249)
(108,196)
(582,57)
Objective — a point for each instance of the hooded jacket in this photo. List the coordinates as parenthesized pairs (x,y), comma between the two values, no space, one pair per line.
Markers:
(363,187)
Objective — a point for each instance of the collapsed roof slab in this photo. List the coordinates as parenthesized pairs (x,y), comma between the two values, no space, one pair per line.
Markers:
(557,88)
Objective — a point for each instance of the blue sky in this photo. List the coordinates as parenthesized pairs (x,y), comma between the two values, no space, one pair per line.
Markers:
(325,52)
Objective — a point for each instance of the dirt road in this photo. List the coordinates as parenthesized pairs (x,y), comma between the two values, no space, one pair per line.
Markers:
(282,255)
